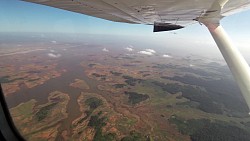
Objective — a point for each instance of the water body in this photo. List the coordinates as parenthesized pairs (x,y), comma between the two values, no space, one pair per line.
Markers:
(41,92)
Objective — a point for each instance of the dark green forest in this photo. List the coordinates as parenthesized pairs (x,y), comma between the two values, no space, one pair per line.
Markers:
(206,130)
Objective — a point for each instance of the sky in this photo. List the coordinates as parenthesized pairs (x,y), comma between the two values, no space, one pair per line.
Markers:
(19,16)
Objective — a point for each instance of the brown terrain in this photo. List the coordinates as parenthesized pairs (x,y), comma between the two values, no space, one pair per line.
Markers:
(94,95)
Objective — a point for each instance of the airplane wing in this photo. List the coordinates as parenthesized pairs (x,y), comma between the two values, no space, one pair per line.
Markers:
(177,12)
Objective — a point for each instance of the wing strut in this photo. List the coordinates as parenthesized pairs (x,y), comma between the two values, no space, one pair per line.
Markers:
(235,61)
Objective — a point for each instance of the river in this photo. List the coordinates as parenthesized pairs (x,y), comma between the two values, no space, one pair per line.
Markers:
(40,93)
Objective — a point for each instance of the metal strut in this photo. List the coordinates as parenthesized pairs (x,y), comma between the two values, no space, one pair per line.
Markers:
(235,61)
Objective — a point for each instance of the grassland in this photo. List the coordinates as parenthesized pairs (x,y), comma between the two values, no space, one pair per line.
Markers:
(81,84)
(166,91)
(135,98)
(41,122)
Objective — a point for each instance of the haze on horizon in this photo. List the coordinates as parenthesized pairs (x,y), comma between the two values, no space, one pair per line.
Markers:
(21,17)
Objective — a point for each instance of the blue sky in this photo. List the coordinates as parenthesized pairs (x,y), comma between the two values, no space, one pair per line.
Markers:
(19,16)
(23,16)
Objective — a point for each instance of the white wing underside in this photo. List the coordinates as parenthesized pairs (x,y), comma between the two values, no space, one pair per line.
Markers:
(180,12)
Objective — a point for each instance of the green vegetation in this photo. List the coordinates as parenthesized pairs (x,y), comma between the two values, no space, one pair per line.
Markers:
(183,69)
(6,79)
(93,103)
(44,111)
(220,132)
(24,109)
(31,80)
(170,88)
(144,75)
(115,73)
(103,77)
(81,120)
(211,102)
(220,93)
(135,136)
(98,122)
(124,123)
(206,103)
(198,71)
(34,71)
(119,85)
(131,81)
(98,75)
(91,65)
(164,66)
(188,127)
(135,98)
(247,124)
(205,130)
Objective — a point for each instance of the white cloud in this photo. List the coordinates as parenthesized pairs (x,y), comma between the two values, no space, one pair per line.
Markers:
(54,55)
(191,65)
(145,52)
(54,42)
(105,50)
(129,54)
(52,50)
(150,50)
(166,56)
(129,49)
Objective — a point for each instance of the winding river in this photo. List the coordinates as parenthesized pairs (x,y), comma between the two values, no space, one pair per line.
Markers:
(40,93)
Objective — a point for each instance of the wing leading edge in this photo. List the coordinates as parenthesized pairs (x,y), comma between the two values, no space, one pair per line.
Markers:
(174,12)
